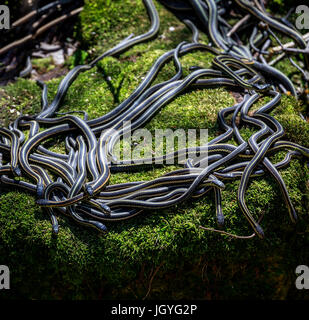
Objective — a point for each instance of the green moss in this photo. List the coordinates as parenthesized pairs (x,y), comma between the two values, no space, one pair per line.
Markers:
(282,6)
(24,96)
(102,26)
(190,262)
(43,65)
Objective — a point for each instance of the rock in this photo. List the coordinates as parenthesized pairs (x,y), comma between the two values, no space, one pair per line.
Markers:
(58,57)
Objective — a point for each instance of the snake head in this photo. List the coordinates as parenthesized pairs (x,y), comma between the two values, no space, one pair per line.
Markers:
(40,190)
(100,226)
(189,163)
(259,231)
(219,184)
(193,68)
(114,159)
(55,229)
(106,209)
(220,220)
(17,171)
(261,87)
(89,190)
(293,215)
(42,202)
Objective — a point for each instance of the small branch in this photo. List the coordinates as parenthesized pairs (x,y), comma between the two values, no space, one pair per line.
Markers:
(238,24)
(228,234)
(151,279)
(289,44)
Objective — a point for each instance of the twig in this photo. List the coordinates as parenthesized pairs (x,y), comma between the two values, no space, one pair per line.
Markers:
(231,234)
(277,59)
(228,234)
(39,31)
(259,6)
(289,44)
(238,24)
(151,279)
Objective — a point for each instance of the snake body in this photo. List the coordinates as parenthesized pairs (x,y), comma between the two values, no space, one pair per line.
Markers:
(76,183)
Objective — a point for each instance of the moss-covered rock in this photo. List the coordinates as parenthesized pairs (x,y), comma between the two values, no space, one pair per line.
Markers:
(159,254)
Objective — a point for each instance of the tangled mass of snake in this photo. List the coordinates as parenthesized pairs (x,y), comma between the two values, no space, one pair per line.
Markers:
(244,59)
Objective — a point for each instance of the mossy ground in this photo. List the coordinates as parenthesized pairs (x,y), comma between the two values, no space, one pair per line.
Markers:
(187,262)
